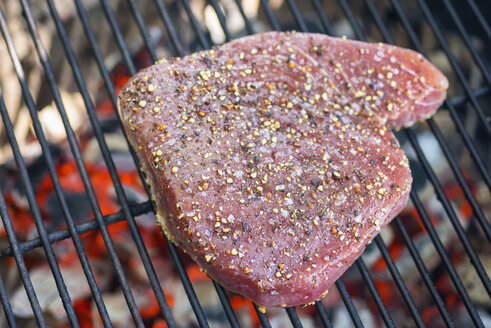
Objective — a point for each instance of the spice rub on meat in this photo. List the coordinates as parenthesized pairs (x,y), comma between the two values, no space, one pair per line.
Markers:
(270,158)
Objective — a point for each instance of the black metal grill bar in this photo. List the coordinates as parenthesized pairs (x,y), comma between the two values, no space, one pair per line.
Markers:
(439,189)
(249,28)
(459,100)
(271,18)
(200,315)
(321,310)
(443,144)
(478,212)
(436,240)
(142,27)
(83,16)
(365,274)
(480,18)
(468,42)
(77,243)
(349,303)
(446,203)
(172,248)
(418,320)
(111,19)
(174,254)
(436,131)
(415,255)
(188,288)
(80,164)
(474,258)
(71,232)
(374,292)
(195,24)
(78,158)
(81,228)
(245,18)
(220,291)
(221,19)
(381,245)
(227,307)
(7,308)
(159,294)
(28,188)
(105,77)
(444,200)
(458,70)
(446,260)
(326,24)
(403,289)
(297,15)
(229,312)
(24,275)
(457,121)
(424,274)
(351,18)
(164,14)
(294,319)
(361,266)
(263,318)
(291,310)
(9,229)
(407,297)
(346,297)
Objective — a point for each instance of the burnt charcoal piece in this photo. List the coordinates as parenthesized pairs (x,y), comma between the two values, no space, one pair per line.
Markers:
(270,158)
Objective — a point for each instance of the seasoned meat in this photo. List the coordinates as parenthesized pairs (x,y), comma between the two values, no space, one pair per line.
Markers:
(270,158)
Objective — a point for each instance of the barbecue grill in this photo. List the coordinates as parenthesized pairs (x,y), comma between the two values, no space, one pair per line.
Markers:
(465,156)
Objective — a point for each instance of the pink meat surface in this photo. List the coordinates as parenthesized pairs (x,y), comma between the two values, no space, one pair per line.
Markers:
(270,158)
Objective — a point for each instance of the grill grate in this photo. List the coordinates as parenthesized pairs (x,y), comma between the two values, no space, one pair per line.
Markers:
(453,105)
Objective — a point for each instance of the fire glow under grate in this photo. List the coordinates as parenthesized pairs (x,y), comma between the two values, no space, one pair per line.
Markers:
(78,243)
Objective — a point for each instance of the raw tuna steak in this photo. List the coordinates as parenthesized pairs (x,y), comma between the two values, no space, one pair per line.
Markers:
(270,158)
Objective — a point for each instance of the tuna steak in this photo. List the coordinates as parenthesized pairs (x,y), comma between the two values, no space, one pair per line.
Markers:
(270,158)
